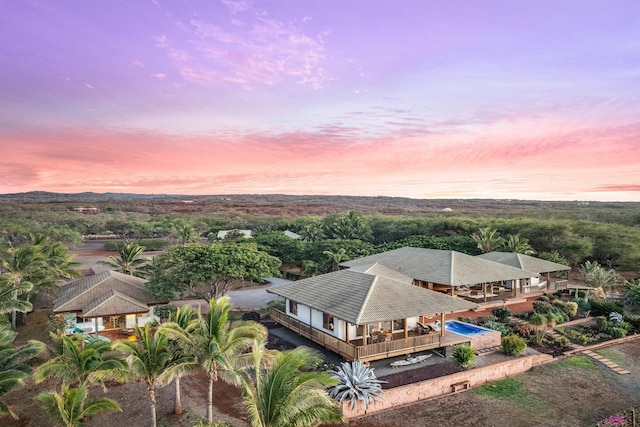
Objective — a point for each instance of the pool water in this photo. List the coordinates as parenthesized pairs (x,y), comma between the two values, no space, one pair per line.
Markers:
(464,328)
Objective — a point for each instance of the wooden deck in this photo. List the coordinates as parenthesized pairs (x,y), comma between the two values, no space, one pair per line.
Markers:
(355,350)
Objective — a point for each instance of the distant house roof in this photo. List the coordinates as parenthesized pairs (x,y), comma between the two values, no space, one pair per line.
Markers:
(442,267)
(360,297)
(524,262)
(291,234)
(222,234)
(107,293)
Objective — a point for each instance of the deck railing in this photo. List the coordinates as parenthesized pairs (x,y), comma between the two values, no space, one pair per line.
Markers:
(373,351)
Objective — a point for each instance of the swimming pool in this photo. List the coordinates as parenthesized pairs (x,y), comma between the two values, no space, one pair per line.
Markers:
(465,328)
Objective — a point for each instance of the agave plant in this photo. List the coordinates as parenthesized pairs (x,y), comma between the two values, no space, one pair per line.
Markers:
(615,317)
(356,381)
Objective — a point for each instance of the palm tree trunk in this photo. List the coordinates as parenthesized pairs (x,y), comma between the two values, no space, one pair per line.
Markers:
(210,400)
(152,399)
(177,408)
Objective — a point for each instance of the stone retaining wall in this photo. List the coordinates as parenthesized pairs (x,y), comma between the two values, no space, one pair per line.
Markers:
(487,340)
(436,387)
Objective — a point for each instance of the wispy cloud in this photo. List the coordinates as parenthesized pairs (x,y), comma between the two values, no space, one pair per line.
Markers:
(256,50)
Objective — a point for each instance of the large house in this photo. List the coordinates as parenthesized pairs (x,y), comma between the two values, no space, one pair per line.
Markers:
(106,300)
(550,275)
(450,272)
(368,312)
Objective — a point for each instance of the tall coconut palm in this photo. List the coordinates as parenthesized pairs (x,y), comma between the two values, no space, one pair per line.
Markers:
(517,244)
(179,322)
(281,389)
(77,363)
(488,239)
(129,261)
(20,266)
(70,407)
(14,363)
(216,343)
(149,361)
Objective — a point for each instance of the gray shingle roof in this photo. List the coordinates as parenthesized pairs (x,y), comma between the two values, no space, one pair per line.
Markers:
(88,293)
(524,262)
(442,267)
(360,298)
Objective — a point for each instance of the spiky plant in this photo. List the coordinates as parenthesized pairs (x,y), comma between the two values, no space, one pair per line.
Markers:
(356,381)
(615,317)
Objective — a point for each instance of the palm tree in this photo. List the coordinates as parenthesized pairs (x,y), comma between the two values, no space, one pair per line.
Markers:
(180,321)
(20,266)
(336,258)
(14,363)
(9,293)
(78,364)
(281,389)
(129,260)
(312,232)
(216,343)
(70,407)
(488,239)
(149,360)
(517,244)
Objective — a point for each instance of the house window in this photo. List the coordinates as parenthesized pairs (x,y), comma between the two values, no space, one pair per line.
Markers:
(327,321)
(293,307)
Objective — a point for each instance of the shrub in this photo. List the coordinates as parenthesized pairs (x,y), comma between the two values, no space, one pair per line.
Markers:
(542,307)
(617,332)
(251,315)
(543,298)
(464,355)
(558,343)
(501,313)
(570,308)
(468,320)
(513,345)
(497,326)
(484,319)
(604,307)
(602,323)
(583,304)
(633,320)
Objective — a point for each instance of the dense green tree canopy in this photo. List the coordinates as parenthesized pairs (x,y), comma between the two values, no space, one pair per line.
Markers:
(209,271)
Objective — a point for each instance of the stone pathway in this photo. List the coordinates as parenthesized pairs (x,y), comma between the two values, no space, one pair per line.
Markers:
(606,362)
(488,350)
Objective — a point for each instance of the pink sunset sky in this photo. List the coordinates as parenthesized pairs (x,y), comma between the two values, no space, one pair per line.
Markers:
(424,99)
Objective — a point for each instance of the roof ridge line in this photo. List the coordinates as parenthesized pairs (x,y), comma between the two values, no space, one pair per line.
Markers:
(452,267)
(366,298)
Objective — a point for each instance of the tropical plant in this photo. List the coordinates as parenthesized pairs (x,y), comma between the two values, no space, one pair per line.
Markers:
(150,360)
(335,258)
(9,301)
(282,389)
(464,355)
(488,239)
(216,343)
(349,225)
(356,381)
(77,362)
(597,276)
(19,267)
(72,406)
(615,317)
(180,321)
(517,244)
(513,345)
(129,260)
(14,363)
(539,322)
(633,292)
